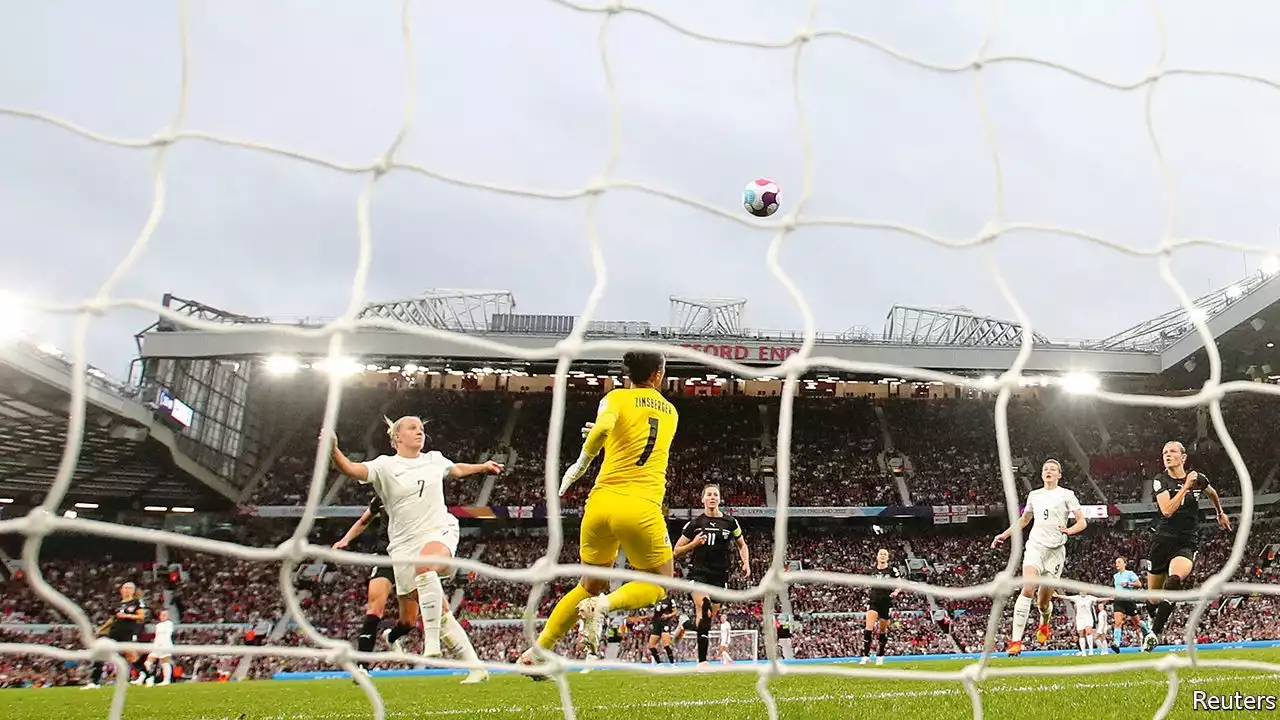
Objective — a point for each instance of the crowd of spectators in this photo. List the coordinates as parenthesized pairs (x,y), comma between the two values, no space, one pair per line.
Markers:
(845,451)
(231,595)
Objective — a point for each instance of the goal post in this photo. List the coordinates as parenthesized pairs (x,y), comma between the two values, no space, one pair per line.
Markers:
(743,645)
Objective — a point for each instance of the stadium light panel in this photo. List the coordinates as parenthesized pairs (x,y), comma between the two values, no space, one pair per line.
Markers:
(341,367)
(6,501)
(69,514)
(1270,265)
(1234,292)
(48,349)
(13,315)
(281,365)
(86,505)
(1078,382)
(156,508)
(409,369)
(182,509)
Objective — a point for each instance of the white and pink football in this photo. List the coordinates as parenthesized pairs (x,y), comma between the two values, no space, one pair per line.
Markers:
(760,197)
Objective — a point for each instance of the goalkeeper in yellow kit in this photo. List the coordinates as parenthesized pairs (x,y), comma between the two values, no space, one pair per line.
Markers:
(634,427)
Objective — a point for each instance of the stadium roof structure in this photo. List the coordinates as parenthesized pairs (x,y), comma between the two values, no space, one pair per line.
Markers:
(127,458)
(952,326)
(1243,316)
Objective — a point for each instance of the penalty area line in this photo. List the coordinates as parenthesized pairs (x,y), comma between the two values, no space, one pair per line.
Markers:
(843,698)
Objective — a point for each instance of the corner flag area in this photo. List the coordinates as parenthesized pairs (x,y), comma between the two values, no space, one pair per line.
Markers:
(688,696)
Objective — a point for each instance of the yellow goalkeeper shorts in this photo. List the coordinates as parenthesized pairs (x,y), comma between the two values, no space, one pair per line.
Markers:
(611,520)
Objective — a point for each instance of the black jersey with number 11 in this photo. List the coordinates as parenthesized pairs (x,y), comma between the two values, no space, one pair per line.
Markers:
(721,533)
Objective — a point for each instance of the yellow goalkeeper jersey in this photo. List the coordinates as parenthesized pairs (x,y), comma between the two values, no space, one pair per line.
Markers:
(641,425)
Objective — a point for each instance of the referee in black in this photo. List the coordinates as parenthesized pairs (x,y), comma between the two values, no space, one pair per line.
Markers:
(711,537)
(124,626)
(1176,540)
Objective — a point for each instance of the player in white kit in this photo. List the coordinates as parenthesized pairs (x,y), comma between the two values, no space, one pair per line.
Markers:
(1086,617)
(1045,552)
(725,633)
(420,526)
(163,651)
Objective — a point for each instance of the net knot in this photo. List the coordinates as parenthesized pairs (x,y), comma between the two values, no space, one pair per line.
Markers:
(1213,587)
(382,165)
(97,306)
(340,654)
(293,549)
(101,649)
(569,346)
(1005,580)
(613,7)
(971,674)
(596,186)
(989,232)
(39,522)
(803,36)
(1171,663)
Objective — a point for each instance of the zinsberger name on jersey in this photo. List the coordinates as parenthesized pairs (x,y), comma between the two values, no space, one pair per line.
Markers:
(1053,510)
(412,489)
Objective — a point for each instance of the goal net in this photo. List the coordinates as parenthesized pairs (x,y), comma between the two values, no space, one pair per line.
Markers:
(743,644)
(786,46)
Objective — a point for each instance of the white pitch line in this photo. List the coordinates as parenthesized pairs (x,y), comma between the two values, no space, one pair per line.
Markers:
(826,697)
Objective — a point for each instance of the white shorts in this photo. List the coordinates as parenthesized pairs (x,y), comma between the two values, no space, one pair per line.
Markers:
(1083,622)
(412,548)
(161,653)
(1046,560)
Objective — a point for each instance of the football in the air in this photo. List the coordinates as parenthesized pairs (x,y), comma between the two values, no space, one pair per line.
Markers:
(760,197)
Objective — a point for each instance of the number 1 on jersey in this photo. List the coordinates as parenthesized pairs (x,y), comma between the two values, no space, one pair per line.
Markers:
(650,443)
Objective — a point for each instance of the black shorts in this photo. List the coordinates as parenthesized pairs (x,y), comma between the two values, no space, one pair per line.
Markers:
(881,605)
(660,628)
(1128,607)
(709,577)
(383,571)
(1165,549)
(123,634)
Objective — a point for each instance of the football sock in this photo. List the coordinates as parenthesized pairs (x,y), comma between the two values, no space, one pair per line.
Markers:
(399,631)
(704,637)
(368,633)
(430,600)
(634,595)
(1021,609)
(1165,608)
(454,637)
(563,617)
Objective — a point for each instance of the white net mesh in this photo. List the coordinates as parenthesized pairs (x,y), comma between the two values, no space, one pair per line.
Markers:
(43,520)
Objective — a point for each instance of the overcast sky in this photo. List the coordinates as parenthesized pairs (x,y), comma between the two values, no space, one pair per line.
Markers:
(512,91)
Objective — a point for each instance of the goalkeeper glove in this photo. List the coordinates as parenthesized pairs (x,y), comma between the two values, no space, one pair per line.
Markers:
(574,472)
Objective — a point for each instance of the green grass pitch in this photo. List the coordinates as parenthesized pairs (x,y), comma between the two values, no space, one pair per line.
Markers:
(636,696)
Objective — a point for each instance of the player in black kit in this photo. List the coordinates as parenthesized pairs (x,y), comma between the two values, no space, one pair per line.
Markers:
(879,608)
(124,626)
(664,617)
(381,578)
(1176,539)
(710,537)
